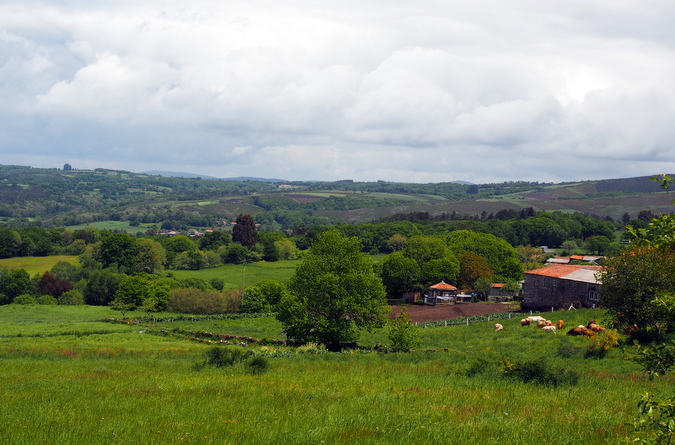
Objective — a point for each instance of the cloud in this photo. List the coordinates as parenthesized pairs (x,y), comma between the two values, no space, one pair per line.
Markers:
(433,91)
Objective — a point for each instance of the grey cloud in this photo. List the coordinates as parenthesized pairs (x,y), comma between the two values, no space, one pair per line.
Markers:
(484,91)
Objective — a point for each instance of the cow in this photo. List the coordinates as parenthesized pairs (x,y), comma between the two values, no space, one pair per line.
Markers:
(560,324)
(581,330)
(541,324)
(550,328)
(498,327)
(525,322)
(595,327)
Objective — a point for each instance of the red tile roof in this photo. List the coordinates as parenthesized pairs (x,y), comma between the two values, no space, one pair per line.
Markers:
(560,270)
(443,286)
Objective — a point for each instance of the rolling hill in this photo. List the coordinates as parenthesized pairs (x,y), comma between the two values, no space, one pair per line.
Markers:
(54,198)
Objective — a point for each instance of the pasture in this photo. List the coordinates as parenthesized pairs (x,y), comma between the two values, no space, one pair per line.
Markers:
(37,264)
(68,376)
(242,275)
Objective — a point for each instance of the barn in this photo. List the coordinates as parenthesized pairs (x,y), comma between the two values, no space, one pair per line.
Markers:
(561,285)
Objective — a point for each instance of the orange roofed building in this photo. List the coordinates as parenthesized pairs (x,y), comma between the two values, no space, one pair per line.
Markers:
(441,293)
(560,286)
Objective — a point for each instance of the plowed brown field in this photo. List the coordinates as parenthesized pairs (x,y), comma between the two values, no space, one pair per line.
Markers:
(448,312)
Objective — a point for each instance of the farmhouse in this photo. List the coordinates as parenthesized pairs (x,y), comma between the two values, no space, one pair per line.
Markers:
(561,285)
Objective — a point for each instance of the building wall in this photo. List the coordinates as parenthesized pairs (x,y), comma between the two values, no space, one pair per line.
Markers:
(544,293)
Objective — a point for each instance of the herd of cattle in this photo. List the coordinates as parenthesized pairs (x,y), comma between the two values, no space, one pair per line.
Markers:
(548,326)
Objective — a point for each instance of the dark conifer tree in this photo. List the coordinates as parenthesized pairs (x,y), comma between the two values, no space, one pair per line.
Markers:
(244,231)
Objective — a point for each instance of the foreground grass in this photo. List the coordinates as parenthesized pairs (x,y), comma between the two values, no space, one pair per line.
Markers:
(137,386)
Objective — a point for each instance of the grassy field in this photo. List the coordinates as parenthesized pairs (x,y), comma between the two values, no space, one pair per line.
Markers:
(68,376)
(239,275)
(114,225)
(37,264)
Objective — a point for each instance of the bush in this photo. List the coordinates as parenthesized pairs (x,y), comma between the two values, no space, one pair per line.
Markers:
(478,366)
(602,343)
(25,299)
(195,301)
(46,300)
(403,335)
(539,372)
(568,349)
(257,365)
(217,283)
(220,356)
(71,298)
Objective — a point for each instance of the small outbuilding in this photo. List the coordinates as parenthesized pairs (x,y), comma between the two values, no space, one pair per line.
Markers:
(441,293)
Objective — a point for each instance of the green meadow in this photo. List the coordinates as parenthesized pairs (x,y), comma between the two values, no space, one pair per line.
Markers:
(37,264)
(70,375)
(242,275)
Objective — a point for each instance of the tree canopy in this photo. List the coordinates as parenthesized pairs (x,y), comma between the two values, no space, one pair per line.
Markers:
(333,293)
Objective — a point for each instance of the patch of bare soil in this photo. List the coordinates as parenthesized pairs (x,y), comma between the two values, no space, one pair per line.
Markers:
(448,312)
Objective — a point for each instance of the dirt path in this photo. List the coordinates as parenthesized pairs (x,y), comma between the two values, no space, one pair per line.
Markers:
(448,312)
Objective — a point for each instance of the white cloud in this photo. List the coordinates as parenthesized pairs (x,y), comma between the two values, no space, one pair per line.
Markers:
(432,91)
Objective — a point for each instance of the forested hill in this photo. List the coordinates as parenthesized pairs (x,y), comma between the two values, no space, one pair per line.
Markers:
(57,197)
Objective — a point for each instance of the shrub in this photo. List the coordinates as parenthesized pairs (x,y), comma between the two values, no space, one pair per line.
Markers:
(656,421)
(403,335)
(217,283)
(476,367)
(568,349)
(257,365)
(71,298)
(220,356)
(25,299)
(254,301)
(602,343)
(46,300)
(539,372)
(195,301)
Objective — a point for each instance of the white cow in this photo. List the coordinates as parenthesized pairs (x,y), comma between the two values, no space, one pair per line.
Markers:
(550,328)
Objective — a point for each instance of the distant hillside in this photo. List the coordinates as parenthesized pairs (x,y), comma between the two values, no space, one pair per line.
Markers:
(194,175)
(56,198)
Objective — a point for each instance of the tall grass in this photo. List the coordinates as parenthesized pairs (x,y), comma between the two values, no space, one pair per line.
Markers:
(132,386)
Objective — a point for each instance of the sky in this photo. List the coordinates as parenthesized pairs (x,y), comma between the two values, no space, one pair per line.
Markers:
(409,91)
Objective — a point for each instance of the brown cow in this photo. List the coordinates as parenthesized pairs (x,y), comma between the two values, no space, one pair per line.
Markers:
(560,324)
(581,330)
(595,327)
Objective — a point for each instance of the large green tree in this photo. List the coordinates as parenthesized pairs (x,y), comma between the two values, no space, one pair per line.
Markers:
(121,249)
(15,283)
(501,256)
(637,284)
(399,274)
(472,268)
(333,293)
(151,256)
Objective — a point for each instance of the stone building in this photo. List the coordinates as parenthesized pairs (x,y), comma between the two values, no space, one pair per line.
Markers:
(560,286)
